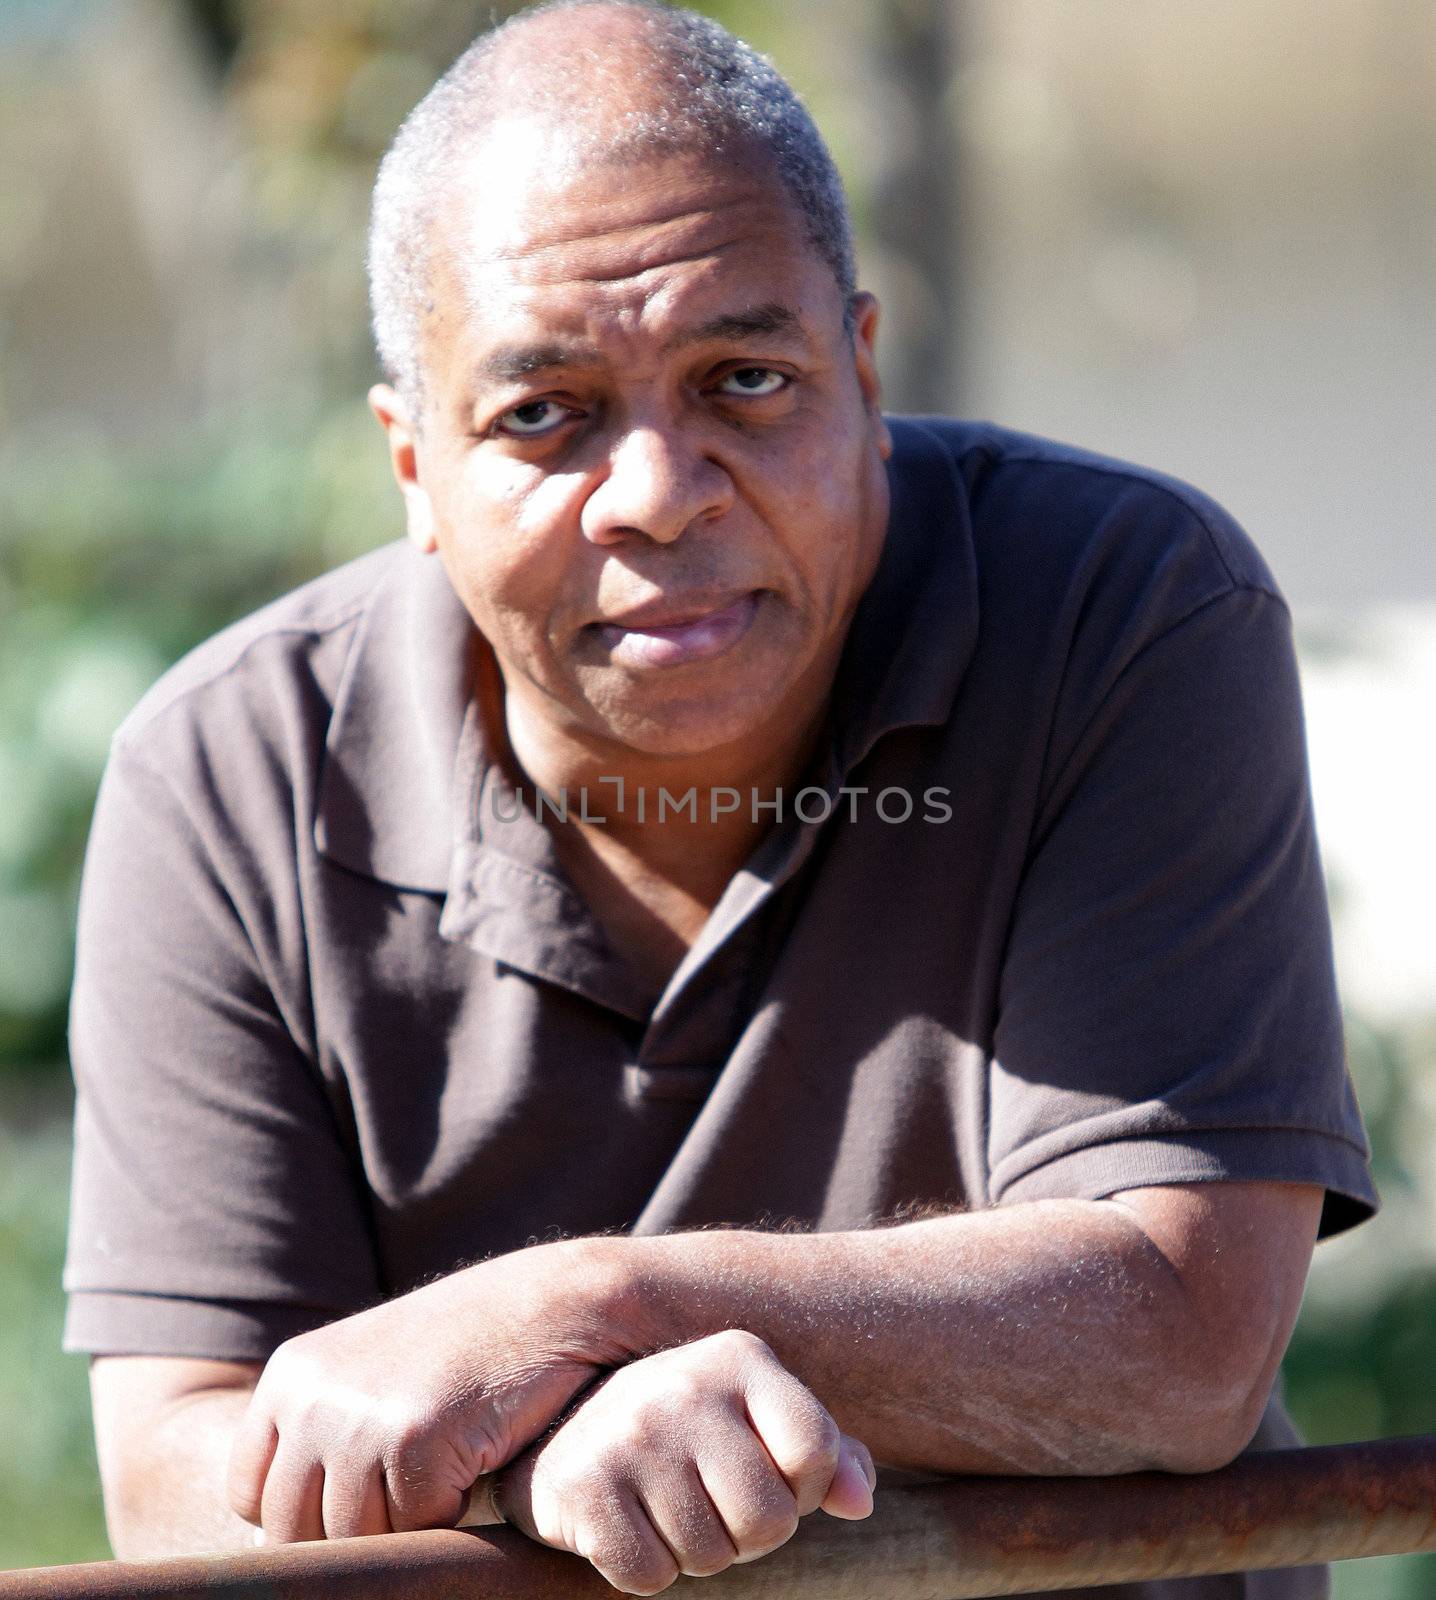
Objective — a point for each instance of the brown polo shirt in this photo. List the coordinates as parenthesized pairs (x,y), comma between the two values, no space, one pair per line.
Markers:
(340,1023)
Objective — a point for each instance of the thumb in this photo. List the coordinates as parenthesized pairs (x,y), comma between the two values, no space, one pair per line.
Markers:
(850,1494)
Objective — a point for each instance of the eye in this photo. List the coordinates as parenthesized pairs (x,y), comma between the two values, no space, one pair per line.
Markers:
(753,381)
(532,419)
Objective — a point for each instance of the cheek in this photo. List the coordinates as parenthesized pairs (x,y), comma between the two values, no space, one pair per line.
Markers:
(819,512)
(509,538)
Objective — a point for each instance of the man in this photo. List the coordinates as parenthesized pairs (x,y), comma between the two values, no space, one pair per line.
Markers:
(734,822)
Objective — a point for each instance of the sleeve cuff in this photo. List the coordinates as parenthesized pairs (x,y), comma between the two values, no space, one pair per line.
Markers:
(106,1323)
(1237,1155)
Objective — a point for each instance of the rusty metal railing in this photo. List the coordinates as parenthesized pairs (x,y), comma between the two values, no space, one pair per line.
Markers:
(955,1540)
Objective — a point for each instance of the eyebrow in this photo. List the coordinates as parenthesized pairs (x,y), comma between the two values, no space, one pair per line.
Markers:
(511,363)
(765,319)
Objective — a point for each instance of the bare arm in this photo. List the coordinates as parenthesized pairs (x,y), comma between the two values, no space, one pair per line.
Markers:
(163,1427)
(1060,1336)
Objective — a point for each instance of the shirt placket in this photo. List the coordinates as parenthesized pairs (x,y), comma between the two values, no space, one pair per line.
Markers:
(509,899)
(704,1009)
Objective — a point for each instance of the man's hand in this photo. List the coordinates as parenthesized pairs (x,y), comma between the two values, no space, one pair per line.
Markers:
(382,1422)
(685,1462)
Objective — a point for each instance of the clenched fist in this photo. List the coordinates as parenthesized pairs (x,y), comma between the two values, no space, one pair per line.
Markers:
(381,1422)
(685,1462)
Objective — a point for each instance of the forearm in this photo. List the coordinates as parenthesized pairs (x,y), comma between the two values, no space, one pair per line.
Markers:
(169,1497)
(1051,1337)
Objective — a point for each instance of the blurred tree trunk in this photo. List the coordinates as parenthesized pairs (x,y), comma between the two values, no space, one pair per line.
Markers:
(218,30)
(908,50)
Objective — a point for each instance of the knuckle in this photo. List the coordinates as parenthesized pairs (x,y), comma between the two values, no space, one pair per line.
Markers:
(707,1557)
(769,1530)
(821,1446)
(583,1484)
(650,1422)
(765,1522)
(404,1432)
(633,1565)
(613,1536)
(652,1577)
(287,1365)
(643,1424)
(686,1386)
(740,1344)
(417,1490)
(409,1442)
(810,1445)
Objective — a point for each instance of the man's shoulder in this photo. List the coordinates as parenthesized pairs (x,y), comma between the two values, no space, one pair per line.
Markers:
(1051,501)
(276,653)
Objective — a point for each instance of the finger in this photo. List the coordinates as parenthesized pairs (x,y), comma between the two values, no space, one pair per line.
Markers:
(751,1497)
(850,1494)
(625,1548)
(293,1504)
(418,1496)
(353,1507)
(688,1522)
(250,1453)
(511,1495)
(796,1431)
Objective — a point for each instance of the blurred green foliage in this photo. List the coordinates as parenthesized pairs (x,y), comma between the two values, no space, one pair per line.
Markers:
(49,1492)
(111,566)
(114,561)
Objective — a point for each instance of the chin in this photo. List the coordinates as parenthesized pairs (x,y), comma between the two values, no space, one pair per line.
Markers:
(680,726)
(692,710)
(690,737)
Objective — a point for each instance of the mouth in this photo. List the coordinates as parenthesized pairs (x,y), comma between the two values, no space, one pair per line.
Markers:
(672,633)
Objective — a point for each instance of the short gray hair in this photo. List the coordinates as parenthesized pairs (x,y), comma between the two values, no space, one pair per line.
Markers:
(716,91)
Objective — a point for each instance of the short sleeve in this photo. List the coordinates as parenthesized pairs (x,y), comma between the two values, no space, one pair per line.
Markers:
(1168,1008)
(214,1209)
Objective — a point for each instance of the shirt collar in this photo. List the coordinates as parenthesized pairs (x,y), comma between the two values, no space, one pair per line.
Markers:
(915,628)
(388,802)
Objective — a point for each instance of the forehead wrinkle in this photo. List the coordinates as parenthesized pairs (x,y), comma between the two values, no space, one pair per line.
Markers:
(666,222)
(756,322)
(476,296)
(623,272)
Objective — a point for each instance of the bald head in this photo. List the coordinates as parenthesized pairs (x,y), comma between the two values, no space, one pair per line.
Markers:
(603,80)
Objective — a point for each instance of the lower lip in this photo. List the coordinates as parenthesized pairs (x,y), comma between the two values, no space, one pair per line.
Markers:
(698,640)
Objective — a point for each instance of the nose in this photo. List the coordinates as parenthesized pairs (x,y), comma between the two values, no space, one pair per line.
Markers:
(655,486)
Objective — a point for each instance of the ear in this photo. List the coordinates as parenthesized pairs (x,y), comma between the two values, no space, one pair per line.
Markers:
(403,433)
(865,313)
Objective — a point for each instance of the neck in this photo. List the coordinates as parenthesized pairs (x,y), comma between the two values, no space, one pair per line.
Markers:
(690,818)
